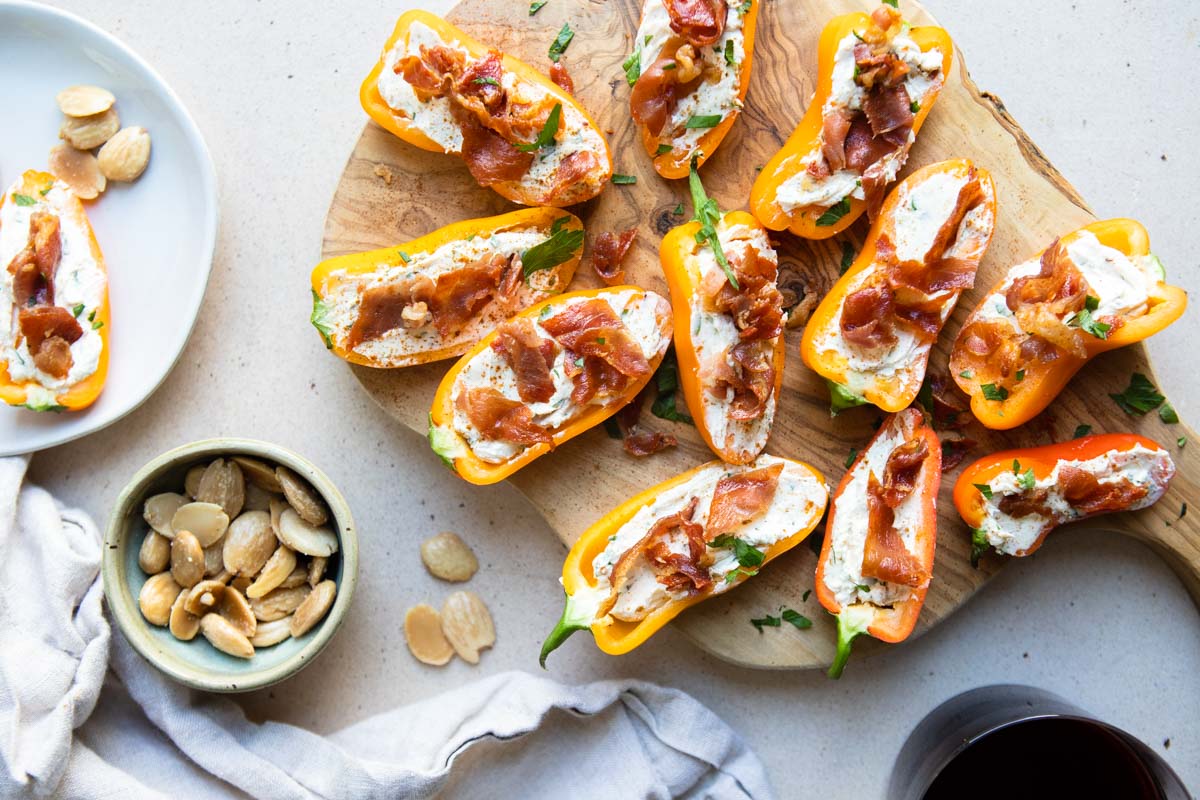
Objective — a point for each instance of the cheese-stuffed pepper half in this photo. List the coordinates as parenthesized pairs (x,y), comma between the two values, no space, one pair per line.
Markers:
(697,535)
(54,321)
(1013,499)
(728,326)
(436,296)
(545,376)
(1093,290)
(518,132)
(690,69)
(870,337)
(878,79)
(877,559)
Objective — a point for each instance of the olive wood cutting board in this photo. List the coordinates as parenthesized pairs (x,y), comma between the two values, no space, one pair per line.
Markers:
(391,191)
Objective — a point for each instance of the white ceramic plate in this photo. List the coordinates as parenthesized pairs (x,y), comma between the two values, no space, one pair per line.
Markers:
(157,233)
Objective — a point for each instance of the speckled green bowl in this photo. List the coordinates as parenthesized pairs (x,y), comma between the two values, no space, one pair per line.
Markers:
(197,663)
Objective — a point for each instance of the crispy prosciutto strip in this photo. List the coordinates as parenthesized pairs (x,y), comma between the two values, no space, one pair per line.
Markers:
(747,368)
(902,470)
(885,557)
(498,418)
(889,109)
(1088,495)
(866,315)
(573,168)
(490,158)
(592,329)
(559,74)
(34,267)
(757,304)
(641,442)
(594,379)
(654,95)
(741,498)
(49,332)
(529,356)
(460,294)
(608,252)
(382,309)
(1041,302)
(700,22)
(954,452)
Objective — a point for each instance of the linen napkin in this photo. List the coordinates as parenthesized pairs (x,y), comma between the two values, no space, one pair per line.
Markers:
(512,735)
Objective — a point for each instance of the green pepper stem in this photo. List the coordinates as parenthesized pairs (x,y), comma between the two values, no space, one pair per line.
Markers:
(853,622)
(572,619)
(841,398)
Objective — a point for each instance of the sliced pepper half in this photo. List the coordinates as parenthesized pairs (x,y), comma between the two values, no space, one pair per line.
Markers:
(696,535)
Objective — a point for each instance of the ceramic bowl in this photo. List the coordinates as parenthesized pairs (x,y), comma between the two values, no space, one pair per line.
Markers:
(197,663)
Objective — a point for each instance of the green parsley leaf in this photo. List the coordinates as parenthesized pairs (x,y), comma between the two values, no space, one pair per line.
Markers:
(1016,466)
(708,215)
(733,575)
(633,66)
(1086,322)
(850,458)
(967,374)
(1140,397)
(1020,376)
(744,7)
(546,137)
(678,210)
(1181,441)
(1167,413)
(98,324)
(621,180)
(892,3)
(979,545)
(848,256)
(77,310)
(993,392)
(925,394)
(914,106)
(666,383)
(1027,481)
(670,65)
(703,121)
(746,554)
(663,149)
(560,247)
(405,257)
(612,428)
(23,199)
(559,45)
(834,213)
(730,58)
(320,319)
(765,622)
(1081,431)
(92,316)
(796,618)
(47,190)
(486,81)
(984,489)
(536,6)
(804,597)
(862,587)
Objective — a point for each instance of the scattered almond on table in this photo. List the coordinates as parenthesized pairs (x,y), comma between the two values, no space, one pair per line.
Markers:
(464,625)
(241,557)
(90,123)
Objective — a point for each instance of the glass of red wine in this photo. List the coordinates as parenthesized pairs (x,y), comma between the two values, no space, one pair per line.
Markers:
(1022,743)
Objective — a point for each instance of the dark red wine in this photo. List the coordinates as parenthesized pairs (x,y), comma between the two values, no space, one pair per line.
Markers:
(1052,758)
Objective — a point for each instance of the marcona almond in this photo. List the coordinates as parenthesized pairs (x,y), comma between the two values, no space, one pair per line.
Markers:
(191,481)
(298,577)
(187,559)
(249,542)
(222,483)
(207,521)
(88,133)
(124,157)
(301,497)
(159,510)
(241,583)
(467,624)
(305,538)
(78,169)
(279,603)
(222,635)
(156,598)
(313,609)
(183,625)
(259,474)
(316,569)
(270,633)
(84,101)
(448,557)
(423,631)
(278,567)
(204,596)
(234,607)
(214,560)
(256,499)
(155,553)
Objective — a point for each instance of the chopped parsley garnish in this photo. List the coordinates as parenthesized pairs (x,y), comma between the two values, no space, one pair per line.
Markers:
(560,247)
(663,149)
(1016,466)
(1167,413)
(892,3)
(77,310)
(633,66)
(848,256)
(92,316)
(765,622)
(559,45)
(1140,397)
(678,210)
(708,215)
(979,545)
(993,392)
(1026,481)
(730,58)
(804,597)
(740,573)
(862,587)
(536,6)
(546,137)
(747,555)
(23,199)
(613,430)
(834,213)
(486,81)
(1020,376)
(1181,441)
(744,7)
(620,179)
(914,106)
(405,257)
(1081,431)
(850,458)
(796,618)
(984,489)
(1086,322)
(98,324)
(545,312)
(967,374)
(666,383)
(703,121)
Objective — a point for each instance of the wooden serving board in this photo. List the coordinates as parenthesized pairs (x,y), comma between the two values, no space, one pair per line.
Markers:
(578,483)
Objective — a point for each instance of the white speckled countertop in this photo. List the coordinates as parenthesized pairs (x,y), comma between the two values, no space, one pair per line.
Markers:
(273,85)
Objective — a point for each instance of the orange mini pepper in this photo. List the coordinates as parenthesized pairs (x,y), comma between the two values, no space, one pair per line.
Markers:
(583,598)
(888,623)
(403,127)
(1007,388)
(33,189)
(812,222)
(564,239)
(1031,464)
(454,450)
(897,386)
(670,162)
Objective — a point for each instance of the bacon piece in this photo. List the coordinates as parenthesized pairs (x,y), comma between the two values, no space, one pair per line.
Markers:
(862,147)
(433,72)
(954,452)
(559,74)
(1089,496)
(529,356)
(885,557)
(500,419)
(608,251)
(741,498)
(946,411)
(481,82)
(34,267)
(757,304)
(641,442)
(903,467)
(571,170)
(701,22)
(866,317)
(459,295)
(834,128)
(595,380)
(888,109)
(655,93)
(490,158)
(746,368)
(590,328)
(1030,501)
(878,67)
(1058,282)
(49,332)
(381,309)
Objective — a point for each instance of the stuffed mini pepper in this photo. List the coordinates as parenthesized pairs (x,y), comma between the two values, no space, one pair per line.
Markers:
(518,132)
(690,69)
(878,79)
(697,535)
(1014,498)
(1093,290)
(54,321)
(722,274)
(877,559)
(870,337)
(545,376)
(434,297)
